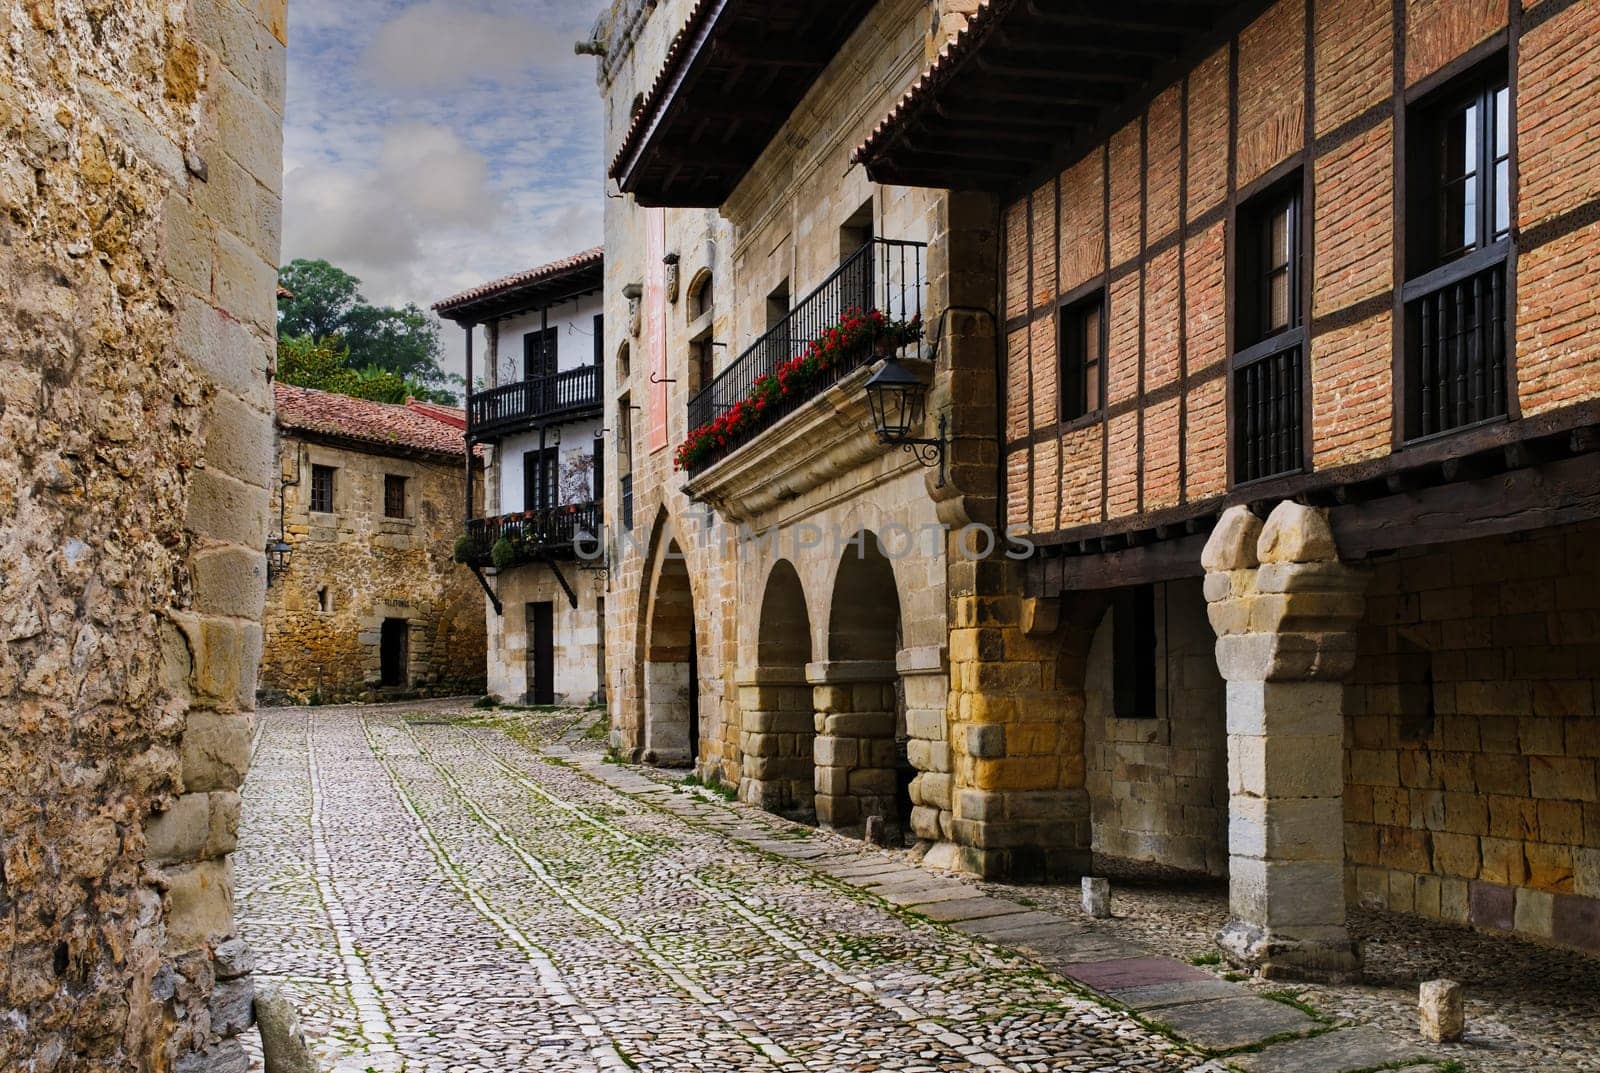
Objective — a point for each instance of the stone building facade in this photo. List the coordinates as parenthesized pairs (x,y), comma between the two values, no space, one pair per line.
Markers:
(139,194)
(1263,326)
(535,417)
(778,607)
(370,602)
(1297,338)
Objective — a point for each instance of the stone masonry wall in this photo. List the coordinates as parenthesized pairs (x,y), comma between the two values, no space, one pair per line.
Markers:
(140,148)
(372,568)
(577,634)
(1472,792)
(1158,785)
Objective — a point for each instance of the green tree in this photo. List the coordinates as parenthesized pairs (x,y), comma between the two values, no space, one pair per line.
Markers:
(324,307)
(324,364)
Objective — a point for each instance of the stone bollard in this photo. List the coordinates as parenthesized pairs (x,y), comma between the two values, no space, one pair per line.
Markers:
(877,833)
(283,1045)
(1097,897)
(1443,1011)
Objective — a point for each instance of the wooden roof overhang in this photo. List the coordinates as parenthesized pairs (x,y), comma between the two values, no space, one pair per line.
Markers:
(1031,85)
(732,77)
(513,296)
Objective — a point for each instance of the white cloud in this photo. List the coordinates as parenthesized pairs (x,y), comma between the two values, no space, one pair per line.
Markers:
(382,222)
(437,46)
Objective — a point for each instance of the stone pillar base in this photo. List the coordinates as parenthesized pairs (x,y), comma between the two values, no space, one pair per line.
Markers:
(1329,959)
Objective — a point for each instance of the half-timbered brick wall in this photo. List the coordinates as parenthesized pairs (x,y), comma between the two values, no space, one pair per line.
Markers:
(1322,86)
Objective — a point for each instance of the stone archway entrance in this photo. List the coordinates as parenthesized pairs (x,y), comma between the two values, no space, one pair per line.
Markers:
(857,695)
(778,728)
(671,679)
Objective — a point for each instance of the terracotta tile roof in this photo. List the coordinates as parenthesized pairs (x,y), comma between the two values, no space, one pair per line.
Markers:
(677,52)
(990,13)
(578,262)
(372,424)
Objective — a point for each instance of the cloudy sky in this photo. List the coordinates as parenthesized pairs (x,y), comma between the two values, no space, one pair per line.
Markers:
(434,144)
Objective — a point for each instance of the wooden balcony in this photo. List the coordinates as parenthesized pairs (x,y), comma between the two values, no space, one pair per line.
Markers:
(540,400)
(564,532)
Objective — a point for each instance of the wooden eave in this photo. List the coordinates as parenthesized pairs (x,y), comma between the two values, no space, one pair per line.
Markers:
(526,298)
(1031,85)
(732,78)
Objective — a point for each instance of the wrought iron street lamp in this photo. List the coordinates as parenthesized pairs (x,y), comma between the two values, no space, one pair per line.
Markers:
(278,553)
(897,396)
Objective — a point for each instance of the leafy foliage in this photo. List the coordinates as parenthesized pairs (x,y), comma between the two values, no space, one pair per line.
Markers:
(324,364)
(392,351)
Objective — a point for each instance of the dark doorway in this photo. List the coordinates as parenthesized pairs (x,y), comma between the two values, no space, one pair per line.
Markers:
(600,635)
(395,653)
(542,653)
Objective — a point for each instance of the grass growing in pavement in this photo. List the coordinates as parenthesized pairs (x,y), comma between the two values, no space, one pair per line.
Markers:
(1206,959)
(1292,998)
(713,785)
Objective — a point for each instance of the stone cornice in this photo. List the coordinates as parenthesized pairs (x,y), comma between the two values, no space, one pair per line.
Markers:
(832,434)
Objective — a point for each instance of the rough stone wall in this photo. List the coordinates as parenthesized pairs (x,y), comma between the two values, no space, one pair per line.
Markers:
(140,170)
(372,568)
(1472,792)
(577,634)
(1158,785)
(637,42)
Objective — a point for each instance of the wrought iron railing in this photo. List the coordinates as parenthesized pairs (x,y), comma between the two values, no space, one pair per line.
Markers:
(1268,410)
(538,398)
(532,532)
(885,274)
(1456,354)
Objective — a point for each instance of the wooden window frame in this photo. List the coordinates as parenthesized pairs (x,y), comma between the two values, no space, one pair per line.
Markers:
(323,486)
(1073,365)
(1255,343)
(544,345)
(1488,262)
(394,502)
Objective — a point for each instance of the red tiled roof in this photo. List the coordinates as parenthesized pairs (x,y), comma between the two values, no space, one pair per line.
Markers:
(374,424)
(676,51)
(454,416)
(578,262)
(950,58)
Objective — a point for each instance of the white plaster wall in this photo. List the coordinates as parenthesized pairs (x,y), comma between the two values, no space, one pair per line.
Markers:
(577,438)
(575,320)
(577,634)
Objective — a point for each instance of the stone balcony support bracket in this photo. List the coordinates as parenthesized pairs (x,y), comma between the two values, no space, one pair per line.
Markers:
(1285,610)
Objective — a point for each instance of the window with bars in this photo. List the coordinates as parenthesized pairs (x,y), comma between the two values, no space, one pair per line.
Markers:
(322,489)
(1268,366)
(394,496)
(1083,351)
(1458,188)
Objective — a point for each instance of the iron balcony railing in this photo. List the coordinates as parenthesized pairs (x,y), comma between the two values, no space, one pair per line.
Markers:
(885,274)
(539,398)
(1268,409)
(1456,354)
(550,531)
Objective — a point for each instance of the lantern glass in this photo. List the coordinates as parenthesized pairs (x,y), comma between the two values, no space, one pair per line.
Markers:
(278,552)
(896,396)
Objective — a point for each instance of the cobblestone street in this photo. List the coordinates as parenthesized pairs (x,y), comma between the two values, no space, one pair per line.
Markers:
(438,897)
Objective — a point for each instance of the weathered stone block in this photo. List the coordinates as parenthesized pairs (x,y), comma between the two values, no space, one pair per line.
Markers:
(986,741)
(1296,534)
(1096,897)
(1233,543)
(199,904)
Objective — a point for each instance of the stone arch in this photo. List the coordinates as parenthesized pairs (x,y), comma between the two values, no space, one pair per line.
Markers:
(670,692)
(861,771)
(702,294)
(778,728)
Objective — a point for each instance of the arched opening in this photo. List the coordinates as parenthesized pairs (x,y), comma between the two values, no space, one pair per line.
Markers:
(702,294)
(778,728)
(671,671)
(860,754)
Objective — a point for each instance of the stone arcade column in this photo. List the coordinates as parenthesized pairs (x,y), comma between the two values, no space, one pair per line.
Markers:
(855,749)
(1285,609)
(776,739)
